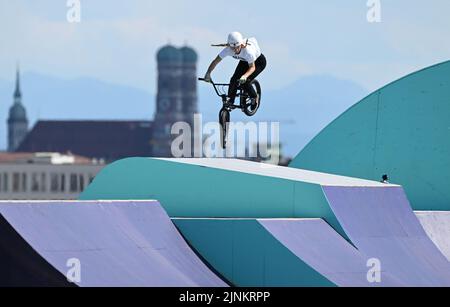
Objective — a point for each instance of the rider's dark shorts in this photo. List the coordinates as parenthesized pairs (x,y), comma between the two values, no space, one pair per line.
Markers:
(260,65)
(242,68)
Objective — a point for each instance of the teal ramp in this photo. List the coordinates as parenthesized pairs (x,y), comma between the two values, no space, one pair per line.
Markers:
(401,130)
(279,252)
(225,188)
(245,254)
(236,189)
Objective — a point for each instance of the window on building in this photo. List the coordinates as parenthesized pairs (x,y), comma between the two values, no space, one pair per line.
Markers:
(34,182)
(43,182)
(73,183)
(81,179)
(24,182)
(5,182)
(54,182)
(63,183)
(16,182)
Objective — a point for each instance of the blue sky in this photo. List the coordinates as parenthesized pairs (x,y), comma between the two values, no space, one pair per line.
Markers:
(116,41)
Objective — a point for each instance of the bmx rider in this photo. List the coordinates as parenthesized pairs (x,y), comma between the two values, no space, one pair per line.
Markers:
(251,63)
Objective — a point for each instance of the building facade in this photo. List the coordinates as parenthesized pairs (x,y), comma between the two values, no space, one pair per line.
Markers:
(37,176)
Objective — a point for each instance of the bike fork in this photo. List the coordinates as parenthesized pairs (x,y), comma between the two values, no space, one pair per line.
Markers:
(224,120)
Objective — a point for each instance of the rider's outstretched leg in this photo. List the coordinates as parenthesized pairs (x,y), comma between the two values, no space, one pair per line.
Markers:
(241,69)
(260,65)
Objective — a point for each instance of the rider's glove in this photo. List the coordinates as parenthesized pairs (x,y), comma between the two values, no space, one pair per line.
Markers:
(207,77)
(242,80)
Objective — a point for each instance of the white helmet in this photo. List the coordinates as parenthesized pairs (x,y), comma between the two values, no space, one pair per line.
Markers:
(235,39)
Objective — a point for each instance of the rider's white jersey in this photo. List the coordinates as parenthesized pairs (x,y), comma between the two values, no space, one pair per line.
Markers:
(248,54)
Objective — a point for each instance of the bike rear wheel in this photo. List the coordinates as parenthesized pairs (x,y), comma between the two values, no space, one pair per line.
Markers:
(248,109)
(224,120)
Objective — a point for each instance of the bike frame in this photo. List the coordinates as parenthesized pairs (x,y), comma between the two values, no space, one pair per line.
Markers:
(221,93)
(224,114)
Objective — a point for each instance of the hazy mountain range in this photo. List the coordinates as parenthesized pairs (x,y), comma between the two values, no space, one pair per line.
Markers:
(302,108)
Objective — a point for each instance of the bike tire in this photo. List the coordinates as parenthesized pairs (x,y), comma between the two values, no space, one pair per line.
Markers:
(247,109)
(224,120)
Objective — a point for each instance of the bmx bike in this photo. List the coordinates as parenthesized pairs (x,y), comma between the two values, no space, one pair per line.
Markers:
(245,104)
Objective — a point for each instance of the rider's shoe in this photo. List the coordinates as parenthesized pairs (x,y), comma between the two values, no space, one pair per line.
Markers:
(254,103)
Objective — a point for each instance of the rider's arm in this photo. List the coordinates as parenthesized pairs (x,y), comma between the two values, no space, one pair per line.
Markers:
(213,65)
(250,71)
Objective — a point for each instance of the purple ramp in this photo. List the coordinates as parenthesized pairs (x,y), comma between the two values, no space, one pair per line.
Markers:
(118,243)
(381,224)
(319,246)
(437,226)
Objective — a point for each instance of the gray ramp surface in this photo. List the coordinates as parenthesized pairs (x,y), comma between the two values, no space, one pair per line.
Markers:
(437,227)
(381,224)
(323,249)
(118,243)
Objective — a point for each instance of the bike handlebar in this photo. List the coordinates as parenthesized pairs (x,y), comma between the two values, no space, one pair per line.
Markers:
(212,82)
(215,85)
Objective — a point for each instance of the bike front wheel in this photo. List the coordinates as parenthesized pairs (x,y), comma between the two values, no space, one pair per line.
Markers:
(224,120)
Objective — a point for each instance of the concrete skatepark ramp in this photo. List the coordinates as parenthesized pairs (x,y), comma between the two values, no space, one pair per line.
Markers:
(247,255)
(401,130)
(375,218)
(381,223)
(21,265)
(261,225)
(117,243)
(437,226)
(316,243)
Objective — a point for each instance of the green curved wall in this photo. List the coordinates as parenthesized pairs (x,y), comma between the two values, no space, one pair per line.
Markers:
(247,255)
(194,191)
(402,130)
(238,247)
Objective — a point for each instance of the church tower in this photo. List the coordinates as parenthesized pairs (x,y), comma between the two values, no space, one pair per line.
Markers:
(177,95)
(17,121)
(189,83)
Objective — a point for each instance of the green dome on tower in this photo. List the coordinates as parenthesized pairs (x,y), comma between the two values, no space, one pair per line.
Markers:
(189,54)
(169,53)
